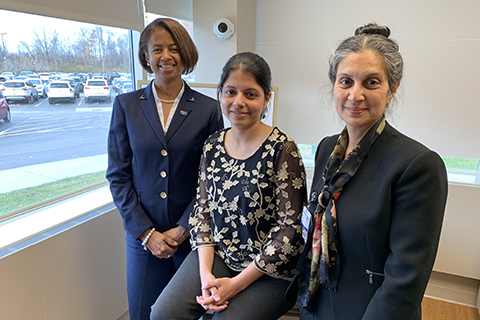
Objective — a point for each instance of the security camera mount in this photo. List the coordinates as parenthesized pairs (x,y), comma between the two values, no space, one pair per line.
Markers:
(223,28)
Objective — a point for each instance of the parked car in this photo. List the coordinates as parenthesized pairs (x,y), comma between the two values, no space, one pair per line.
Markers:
(81,82)
(40,86)
(4,109)
(9,75)
(44,75)
(19,90)
(60,90)
(110,76)
(76,87)
(121,83)
(25,73)
(127,87)
(2,80)
(96,89)
(116,84)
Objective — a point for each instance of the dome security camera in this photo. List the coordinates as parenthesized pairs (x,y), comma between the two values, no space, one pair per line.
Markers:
(223,28)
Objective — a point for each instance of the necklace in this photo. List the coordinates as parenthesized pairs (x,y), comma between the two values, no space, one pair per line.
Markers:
(167,101)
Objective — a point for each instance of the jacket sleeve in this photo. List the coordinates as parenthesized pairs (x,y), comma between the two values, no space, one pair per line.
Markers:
(119,174)
(215,124)
(418,205)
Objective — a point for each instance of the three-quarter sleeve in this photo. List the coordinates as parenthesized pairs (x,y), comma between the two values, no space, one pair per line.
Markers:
(200,220)
(280,254)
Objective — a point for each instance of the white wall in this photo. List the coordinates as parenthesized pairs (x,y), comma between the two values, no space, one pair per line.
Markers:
(440,43)
(213,51)
(459,249)
(78,274)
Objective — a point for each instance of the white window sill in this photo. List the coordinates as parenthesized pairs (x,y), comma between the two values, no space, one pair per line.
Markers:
(37,222)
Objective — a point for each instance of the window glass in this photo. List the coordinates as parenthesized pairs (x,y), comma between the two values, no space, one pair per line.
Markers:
(53,145)
(461,170)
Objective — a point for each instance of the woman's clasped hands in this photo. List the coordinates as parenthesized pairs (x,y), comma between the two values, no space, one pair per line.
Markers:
(217,292)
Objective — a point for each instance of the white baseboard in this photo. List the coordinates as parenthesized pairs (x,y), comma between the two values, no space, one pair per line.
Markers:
(125,316)
(454,289)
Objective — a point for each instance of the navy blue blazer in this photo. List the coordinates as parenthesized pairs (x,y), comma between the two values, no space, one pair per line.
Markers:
(389,218)
(153,176)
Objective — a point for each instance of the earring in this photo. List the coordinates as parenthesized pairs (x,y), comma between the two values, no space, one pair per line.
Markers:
(148,64)
(264,113)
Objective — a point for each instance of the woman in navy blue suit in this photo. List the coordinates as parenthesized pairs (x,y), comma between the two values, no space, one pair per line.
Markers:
(154,148)
(377,197)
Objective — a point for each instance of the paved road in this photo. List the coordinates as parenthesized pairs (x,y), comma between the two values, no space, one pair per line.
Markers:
(44,142)
(42,133)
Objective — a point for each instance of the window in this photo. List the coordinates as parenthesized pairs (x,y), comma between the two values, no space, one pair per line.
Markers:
(52,147)
(460,170)
(463,170)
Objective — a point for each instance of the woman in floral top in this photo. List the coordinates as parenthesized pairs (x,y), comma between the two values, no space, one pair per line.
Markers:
(245,229)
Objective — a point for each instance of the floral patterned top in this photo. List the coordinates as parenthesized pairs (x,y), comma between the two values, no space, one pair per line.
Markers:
(250,210)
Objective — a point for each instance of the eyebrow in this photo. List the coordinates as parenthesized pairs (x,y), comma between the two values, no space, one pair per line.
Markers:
(247,89)
(169,45)
(370,75)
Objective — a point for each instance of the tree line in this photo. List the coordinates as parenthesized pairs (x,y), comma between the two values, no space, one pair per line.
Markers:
(96,49)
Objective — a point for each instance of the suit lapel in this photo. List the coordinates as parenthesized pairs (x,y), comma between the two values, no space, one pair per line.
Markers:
(149,108)
(184,109)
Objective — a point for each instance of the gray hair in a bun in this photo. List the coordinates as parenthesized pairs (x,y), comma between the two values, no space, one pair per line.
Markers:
(370,37)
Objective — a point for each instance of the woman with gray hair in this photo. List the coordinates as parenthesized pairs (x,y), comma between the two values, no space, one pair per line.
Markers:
(377,198)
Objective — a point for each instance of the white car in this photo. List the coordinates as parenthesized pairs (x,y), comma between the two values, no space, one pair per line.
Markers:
(127,87)
(18,90)
(40,86)
(44,75)
(60,90)
(96,89)
(9,75)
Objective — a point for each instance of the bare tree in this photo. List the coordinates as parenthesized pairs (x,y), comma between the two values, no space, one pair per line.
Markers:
(30,55)
(123,45)
(98,34)
(41,46)
(84,47)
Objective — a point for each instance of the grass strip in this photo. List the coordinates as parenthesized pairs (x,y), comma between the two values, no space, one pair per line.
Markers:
(22,198)
(461,163)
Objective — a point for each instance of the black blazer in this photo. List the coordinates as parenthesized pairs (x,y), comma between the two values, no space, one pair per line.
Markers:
(152,175)
(389,218)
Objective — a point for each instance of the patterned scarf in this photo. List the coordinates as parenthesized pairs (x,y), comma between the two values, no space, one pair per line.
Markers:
(325,266)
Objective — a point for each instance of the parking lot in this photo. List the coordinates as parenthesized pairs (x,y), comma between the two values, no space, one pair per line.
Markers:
(43,132)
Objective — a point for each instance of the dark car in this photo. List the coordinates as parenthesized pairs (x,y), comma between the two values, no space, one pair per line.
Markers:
(75,86)
(110,76)
(80,81)
(119,84)
(4,109)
